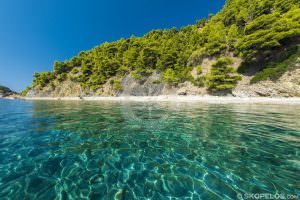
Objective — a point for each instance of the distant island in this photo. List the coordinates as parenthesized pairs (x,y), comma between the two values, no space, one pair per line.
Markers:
(248,49)
(5,91)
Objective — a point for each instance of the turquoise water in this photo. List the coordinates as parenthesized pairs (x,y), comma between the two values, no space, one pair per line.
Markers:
(111,150)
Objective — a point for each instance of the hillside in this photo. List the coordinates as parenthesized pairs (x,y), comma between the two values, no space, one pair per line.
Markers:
(5,91)
(247,47)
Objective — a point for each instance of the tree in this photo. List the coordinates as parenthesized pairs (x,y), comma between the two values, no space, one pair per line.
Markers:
(42,79)
(222,76)
(232,37)
(169,77)
(201,23)
(215,37)
(269,32)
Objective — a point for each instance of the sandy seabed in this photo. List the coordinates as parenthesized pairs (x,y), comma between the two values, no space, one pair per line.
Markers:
(205,99)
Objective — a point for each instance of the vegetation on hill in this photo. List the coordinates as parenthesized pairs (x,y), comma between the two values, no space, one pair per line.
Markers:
(222,76)
(5,91)
(254,30)
(276,68)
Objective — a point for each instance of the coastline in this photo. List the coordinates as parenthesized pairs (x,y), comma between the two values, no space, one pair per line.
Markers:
(174,98)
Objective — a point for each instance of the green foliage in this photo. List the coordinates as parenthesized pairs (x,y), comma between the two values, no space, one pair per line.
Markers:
(253,27)
(222,76)
(285,5)
(199,69)
(276,68)
(156,82)
(232,37)
(61,77)
(156,51)
(42,79)
(178,75)
(62,67)
(25,91)
(199,81)
(75,71)
(201,23)
(222,62)
(184,74)
(170,77)
(215,35)
(117,85)
(141,73)
(197,57)
(269,31)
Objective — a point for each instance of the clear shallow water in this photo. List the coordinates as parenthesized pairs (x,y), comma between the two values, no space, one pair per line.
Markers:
(107,150)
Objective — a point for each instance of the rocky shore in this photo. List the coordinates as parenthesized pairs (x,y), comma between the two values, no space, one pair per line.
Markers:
(176,98)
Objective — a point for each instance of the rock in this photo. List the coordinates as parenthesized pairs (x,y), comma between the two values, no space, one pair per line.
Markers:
(149,87)
(187,88)
(288,85)
(66,88)
(182,92)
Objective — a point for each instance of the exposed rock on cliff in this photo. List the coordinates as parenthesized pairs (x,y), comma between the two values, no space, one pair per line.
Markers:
(288,85)
(63,89)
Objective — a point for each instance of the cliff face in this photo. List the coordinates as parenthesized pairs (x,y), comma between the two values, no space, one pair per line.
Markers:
(129,85)
(288,85)
(63,89)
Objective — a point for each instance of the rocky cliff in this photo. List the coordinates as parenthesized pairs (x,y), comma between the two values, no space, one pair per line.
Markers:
(288,85)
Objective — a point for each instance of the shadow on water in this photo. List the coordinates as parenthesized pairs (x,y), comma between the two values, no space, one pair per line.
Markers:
(130,150)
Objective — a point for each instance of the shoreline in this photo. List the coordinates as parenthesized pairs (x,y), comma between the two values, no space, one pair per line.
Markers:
(174,98)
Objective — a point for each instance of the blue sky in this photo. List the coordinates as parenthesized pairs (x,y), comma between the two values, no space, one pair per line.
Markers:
(34,33)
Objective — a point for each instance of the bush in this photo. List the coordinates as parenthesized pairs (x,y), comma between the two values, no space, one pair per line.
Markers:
(61,77)
(141,74)
(24,92)
(222,76)
(62,67)
(117,85)
(201,23)
(199,69)
(111,82)
(42,79)
(199,81)
(269,32)
(170,77)
(75,70)
(278,67)
(197,57)
(156,82)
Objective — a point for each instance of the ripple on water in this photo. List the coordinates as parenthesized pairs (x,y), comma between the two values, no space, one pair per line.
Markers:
(107,150)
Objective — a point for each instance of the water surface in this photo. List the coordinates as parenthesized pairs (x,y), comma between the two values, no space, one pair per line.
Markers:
(123,150)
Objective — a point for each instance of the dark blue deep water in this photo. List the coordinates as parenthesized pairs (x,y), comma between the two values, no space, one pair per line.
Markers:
(129,150)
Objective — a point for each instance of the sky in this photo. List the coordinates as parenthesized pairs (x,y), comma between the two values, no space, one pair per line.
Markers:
(35,33)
